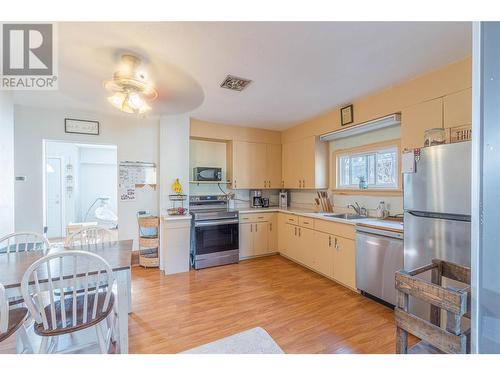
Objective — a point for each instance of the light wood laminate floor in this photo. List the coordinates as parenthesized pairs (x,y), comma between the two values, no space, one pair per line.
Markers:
(303,311)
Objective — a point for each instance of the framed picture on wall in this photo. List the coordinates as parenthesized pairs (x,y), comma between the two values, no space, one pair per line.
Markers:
(76,126)
(346,115)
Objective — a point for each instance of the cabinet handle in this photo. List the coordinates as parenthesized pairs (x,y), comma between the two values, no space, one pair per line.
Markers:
(260,217)
(329,241)
(270,227)
(265,183)
(300,232)
(303,183)
(235,184)
(336,244)
(295,230)
(300,183)
(290,219)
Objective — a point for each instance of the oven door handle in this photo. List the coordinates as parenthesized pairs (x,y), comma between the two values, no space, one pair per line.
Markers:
(215,222)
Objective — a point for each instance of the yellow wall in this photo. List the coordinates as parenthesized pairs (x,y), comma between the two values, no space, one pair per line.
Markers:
(209,130)
(444,81)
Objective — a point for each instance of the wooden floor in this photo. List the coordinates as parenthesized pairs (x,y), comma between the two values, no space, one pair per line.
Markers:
(303,311)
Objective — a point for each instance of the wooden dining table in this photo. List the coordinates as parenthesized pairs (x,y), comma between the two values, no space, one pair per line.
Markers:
(118,254)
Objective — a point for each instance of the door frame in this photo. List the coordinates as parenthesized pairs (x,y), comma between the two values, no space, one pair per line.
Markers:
(62,194)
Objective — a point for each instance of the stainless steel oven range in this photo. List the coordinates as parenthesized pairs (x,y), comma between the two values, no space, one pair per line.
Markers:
(214,233)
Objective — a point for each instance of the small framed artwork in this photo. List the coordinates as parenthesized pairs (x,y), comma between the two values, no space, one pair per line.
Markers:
(76,126)
(346,115)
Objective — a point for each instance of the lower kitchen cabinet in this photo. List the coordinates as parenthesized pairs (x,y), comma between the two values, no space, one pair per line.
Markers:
(254,239)
(273,234)
(344,261)
(323,253)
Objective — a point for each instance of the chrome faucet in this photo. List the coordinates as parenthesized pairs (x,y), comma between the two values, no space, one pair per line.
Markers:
(362,211)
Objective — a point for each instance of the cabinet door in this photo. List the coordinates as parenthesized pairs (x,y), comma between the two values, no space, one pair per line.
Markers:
(246,240)
(458,109)
(258,169)
(273,234)
(417,119)
(323,253)
(307,166)
(344,262)
(242,165)
(260,238)
(289,240)
(306,251)
(291,165)
(274,177)
(282,233)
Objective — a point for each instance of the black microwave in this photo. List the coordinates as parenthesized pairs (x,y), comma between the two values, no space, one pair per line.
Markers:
(207,174)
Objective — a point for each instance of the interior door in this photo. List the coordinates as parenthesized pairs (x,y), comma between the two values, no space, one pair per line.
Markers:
(54,197)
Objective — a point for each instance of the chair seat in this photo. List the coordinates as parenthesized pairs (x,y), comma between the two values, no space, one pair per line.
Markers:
(80,324)
(16,319)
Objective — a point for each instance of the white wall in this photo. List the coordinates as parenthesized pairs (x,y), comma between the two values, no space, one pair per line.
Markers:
(6,163)
(174,157)
(97,177)
(136,139)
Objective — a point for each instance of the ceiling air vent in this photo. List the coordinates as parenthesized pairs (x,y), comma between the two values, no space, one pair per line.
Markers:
(235,83)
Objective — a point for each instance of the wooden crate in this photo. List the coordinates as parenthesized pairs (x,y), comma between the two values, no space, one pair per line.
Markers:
(455,302)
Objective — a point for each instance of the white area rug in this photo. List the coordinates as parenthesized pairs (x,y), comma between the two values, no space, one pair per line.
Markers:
(253,341)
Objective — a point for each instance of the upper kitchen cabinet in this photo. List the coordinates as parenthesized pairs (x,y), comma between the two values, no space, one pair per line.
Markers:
(458,108)
(254,165)
(305,164)
(417,118)
(273,166)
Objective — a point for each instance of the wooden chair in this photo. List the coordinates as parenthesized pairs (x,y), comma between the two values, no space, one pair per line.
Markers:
(455,302)
(89,236)
(50,288)
(23,241)
(12,321)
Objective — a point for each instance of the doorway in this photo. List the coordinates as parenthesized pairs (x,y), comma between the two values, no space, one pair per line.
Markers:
(80,182)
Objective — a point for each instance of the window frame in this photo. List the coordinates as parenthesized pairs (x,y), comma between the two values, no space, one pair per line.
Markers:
(365,150)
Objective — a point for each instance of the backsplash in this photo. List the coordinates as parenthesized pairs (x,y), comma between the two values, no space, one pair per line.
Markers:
(305,199)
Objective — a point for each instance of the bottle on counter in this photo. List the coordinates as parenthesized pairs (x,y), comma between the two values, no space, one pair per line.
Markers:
(381,210)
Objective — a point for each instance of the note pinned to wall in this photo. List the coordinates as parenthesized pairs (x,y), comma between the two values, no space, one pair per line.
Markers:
(133,175)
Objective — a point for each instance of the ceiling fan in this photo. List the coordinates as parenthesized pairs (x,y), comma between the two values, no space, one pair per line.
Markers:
(132,91)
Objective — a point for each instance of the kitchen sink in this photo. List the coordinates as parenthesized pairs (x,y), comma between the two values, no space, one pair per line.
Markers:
(346,216)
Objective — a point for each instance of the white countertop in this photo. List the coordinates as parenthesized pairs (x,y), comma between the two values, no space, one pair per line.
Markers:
(384,224)
(176,217)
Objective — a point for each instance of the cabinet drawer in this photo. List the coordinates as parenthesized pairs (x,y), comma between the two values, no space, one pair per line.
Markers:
(337,229)
(292,219)
(257,217)
(306,222)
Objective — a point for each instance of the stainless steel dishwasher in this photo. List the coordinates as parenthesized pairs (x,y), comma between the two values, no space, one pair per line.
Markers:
(379,254)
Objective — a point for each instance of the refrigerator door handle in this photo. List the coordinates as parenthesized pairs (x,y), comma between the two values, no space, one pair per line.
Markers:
(433,215)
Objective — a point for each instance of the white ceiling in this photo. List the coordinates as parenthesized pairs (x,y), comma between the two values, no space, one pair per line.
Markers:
(299,69)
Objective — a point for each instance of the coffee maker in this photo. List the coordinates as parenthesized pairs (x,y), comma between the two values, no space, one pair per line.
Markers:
(256,199)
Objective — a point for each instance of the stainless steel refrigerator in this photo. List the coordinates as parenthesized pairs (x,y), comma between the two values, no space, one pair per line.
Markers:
(437,208)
